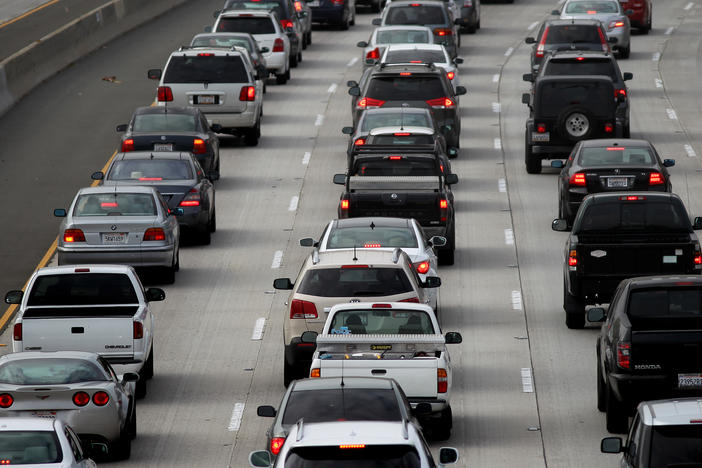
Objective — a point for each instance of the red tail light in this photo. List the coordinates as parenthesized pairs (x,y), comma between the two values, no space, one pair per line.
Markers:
(191,199)
(395,158)
(573,258)
(451,75)
(81,399)
(73,235)
(302,310)
(624,355)
(6,400)
(101,398)
(373,54)
(381,306)
(441,381)
(541,128)
(619,92)
(199,146)
(277,444)
(578,180)
(278,45)
(137,330)
(443,204)
(697,260)
(369,103)
(344,204)
(205,54)
(443,32)
(441,103)
(616,24)
(608,128)
(17,332)
(541,48)
(298,6)
(655,178)
(413,300)
(128,145)
(247,93)
(422,267)
(286,23)
(359,142)
(164,94)
(154,234)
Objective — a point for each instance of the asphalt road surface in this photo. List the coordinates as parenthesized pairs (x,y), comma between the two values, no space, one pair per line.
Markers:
(524,385)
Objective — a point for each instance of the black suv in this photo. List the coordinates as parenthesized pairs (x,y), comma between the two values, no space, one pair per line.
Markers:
(410,85)
(590,63)
(565,110)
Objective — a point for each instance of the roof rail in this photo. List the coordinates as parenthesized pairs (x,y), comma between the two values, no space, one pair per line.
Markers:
(429,65)
(315,256)
(396,254)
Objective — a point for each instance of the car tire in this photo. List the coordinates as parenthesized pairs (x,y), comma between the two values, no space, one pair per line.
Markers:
(304,41)
(616,417)
(441,428)
(282,78)
(447,256)
(169,273)
(293,60)
(477,26)
(472,25)
(601,388)
(624,53)
(132,424)
(140,391)
(533,165)
(299,57)
(252,135)
(352,20)
(122,448)
(212,226)
(574,311)
(148,370)
(309,38)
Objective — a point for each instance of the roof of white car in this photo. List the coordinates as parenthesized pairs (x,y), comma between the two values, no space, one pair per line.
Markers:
(336,382)
(680,411)
(401,129)
(392,305)
(118,189)
(352,432)
(420,46)
(26,424)
(49,355)
(402,27)
(246,13)
(70,269)
(345,258)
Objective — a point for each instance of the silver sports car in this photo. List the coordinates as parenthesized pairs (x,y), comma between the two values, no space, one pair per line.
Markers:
(129,225)
(80,389)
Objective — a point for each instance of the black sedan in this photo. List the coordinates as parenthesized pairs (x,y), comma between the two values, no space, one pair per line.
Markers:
(180,180)
(609,166)
(173,129)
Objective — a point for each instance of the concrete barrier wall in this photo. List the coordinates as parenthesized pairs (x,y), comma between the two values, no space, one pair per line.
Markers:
(29,67)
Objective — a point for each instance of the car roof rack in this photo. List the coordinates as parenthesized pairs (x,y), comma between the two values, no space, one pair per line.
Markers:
(429,65)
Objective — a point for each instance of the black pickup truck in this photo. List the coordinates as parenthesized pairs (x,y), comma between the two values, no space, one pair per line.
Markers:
(621,235)
(649,345)
(402,186)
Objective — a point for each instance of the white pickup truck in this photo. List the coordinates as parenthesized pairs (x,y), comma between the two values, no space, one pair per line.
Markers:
(102,309)
(395,340)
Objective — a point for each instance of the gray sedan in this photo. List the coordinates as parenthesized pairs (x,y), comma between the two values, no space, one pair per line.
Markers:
(81,389)
(129,225)
(609,13)
(384,35)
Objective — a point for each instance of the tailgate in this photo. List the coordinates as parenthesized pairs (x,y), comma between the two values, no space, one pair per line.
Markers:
(670,352)
(403,197)
(639,259)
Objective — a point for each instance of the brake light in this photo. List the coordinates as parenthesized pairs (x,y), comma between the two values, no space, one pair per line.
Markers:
(146,179)
(415,61)
(580,59)
(541,128)
(137,330)
(352,446)
(443,207)
(616,24)
(441,103)
(441,381)
(128,145)
(154,234)
(624,355)
(619,92)
(632,198)
(395,158)
(286,23)
(337,2)
(371,245)
(101,398)
(443,204)
(573,258)
(443,32)
(369,103)
(616,148)
(191,199)
(541,48)
(199,146)
(278,45)
(401,134)
(247,93)
(608,128)
(164,94)
(344,204)
(381,306)
(298,6)
(350,267)
(450,75)
(359,142)
(373,54)
(73,235)
(578,180)
(413,300)
(6,400)
(415,4)
(302,310)
(17,332)
(315,373)
(81,399)
(655,178)
(277,442)
(697,260)
(405,74)
(423,267)
(591,12)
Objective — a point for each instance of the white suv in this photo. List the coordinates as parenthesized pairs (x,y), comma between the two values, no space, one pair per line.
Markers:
(265,27)
(221,83)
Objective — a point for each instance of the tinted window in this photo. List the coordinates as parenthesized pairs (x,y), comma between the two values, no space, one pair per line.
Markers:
(404,167)
(115,204)
(591,7)
(82,289)
(378,236)
(49,372)
(372,456)
(402,140)
(411,88)
(29,447)
(584,67)
(247,24)
(350,404)
(277,7)
(381,321)
(386,119)
(669,302)
(419,15)
(415,56)
(206,69)
(164,123)
(573,33)
(402,37)
(674,446)
(344,282)
(147,170)
(616,155)
(217,41)
(644,216)
(556,96)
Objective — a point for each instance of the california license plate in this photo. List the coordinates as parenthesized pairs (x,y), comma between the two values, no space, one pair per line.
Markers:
(541,137)
(114,237)
(690,380)
(44,414)
(617,182)
(163,147)
(205,100)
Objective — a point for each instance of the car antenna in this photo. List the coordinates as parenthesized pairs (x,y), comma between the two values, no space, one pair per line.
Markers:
(355,259)
(372,225)
(152,155)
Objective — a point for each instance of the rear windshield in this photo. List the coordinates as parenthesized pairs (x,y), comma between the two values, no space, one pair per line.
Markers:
(676,446)
(350,404)
(399,119)
(556,96)
(377,236)
(50,372)
(115,204)
(29,447)
(590,7)
(164,123)
(247,24)
(149,170)
(408,88)
(217,41)
(616,155)
(581,67)
(345,282)
(403,167)
(419,15)
(665,302)
(82,289)
(276,7)
(402,37)
(573,33)
(368,456)
(415,56)
(638,216)
(402,140)
(206,69)
(381,321)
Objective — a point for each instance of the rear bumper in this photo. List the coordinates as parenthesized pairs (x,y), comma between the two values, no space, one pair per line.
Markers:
(89,420)
(437,404)
(246,119)
(276,62)
(328,15)
(633,389)
(141,257)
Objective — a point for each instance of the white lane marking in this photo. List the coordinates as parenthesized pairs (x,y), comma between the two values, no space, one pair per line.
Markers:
(669,31)
(659,83)
(690,151)
(352,62)
(237,414)
(533,25)
(509,237)
(671,114)
(516,300)
(502,185)
(277,259)
(689,6)
(332,88)
(319,121)
(527,380)
(509,51)
(498,143)
(656,57)
(306,157)
(293,203)
(495,77)
(258,329)
(496,107)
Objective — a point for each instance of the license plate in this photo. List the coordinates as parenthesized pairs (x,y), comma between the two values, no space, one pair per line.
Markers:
(670,259)
(163,147)
(617,182)
(44,414)
(690,380)
(381,347)
(114,237)
(205,100)
(541,137)
(314,3)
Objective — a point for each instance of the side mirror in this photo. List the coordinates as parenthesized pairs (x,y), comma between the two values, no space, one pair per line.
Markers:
(555,12)
(669,162)
(122,127)
(362,44)
(453,338)
(461,90)
(431,282)
(347,130)
(265,50)
(98,450)
(437,241)
(130,377)
(697,225)
(611,445)
(560,225)
(526,98)
(155,295)
(451,179)
(339,179)
(260,459)
(208,29)
(307,242)
(530,40)
(355,91)
(458,60)
(612,40)
(351,83)
(60,213)
(628,76)
(14,297)
(309,337)
(97,175)
(557,164)
(376,22)
(528,77)
(154,74)
(596,314)
(283,283)
(448,456)
(176,212)
(266,411)
(422,409)
(217,128)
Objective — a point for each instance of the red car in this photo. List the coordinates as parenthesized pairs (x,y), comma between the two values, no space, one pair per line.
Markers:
(642,15)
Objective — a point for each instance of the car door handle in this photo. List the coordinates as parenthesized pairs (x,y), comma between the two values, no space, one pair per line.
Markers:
(77,330)
(379,372)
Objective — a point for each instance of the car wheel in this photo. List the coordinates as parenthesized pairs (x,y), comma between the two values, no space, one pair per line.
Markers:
(575,123)
(283,77)
(140,391)
(352,21)
(252,135)
(299,57)
(601,387)
(304,41)
(617,419)
(309,38)
(624,53)
(574,310)
(447,256)
(148,371)
(477,26)
(132,424)
(533,164)
(213,220)
(169,274)
(122,448)
(441,429)
(472,25)
(293,60)
(626,133)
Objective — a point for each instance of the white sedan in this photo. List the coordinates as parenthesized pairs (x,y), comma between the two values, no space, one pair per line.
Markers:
(423,53)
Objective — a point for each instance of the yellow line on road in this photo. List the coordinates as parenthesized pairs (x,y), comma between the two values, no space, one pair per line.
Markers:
(30,12)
